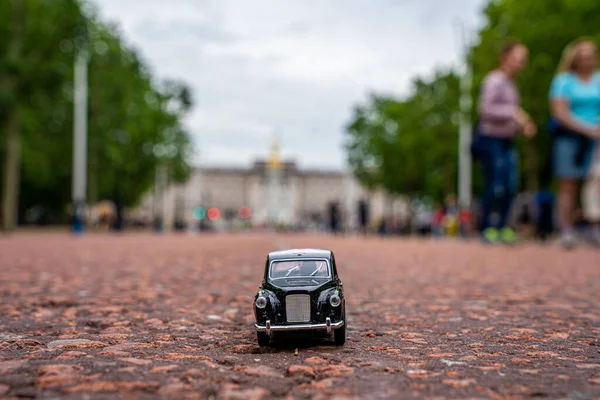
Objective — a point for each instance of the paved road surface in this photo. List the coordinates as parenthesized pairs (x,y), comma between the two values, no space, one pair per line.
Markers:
(143,316)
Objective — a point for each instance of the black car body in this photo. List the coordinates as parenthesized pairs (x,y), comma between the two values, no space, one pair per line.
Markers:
(301,291)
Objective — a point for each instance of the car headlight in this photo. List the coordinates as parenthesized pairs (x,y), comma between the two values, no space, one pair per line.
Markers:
(261,302)
(335,300)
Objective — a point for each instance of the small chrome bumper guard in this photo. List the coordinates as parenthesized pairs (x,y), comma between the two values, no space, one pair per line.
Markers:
(328,326)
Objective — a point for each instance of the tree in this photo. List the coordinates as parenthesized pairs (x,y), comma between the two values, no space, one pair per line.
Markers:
(408,146)
(134,122)
(9,86)
(33,31)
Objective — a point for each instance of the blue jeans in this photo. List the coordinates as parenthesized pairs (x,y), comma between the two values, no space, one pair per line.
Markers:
(500,168)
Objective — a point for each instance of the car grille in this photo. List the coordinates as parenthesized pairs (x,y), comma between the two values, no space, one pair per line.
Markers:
(297,308)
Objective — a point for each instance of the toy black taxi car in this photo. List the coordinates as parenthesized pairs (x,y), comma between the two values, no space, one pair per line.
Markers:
(301,291)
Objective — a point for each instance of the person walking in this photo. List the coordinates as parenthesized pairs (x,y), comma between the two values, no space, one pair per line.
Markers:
(500,119)
(363,216)
(423,220)
(465,217)
(543,207)
(575,111)
(334,217)
(438,222)
(451,216)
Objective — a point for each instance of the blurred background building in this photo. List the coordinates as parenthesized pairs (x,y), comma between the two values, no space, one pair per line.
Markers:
(276,191)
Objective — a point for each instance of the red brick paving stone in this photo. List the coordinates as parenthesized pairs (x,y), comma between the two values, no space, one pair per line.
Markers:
(427,319)
(234,392)
(315,361)
(11,365)
(301,370)
(334,370)
(71,354)
(164,369)
(93,387)
(58,375)
(4,389)
(262,371)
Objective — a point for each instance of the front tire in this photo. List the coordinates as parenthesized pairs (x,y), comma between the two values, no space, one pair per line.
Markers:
(339,335)
(263,339)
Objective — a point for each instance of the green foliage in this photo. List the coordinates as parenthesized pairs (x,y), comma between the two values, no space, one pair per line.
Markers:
(135,123)
(410,145)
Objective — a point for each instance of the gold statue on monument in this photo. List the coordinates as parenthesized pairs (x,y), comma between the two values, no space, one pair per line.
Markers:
(274,160)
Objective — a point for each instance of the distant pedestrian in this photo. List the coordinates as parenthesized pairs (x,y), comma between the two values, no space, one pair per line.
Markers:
(524,219)
(451,205)
(363,216)
(438,222)
(334,217)
(451,216)
(543,210)
(382,228)
(575,109)
(424,220)
(500,119)
(544,218)
(466,222)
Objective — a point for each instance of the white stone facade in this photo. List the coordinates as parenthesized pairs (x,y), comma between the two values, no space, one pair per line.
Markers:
(304,195)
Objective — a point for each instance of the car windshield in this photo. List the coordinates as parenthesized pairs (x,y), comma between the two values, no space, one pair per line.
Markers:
(299,269)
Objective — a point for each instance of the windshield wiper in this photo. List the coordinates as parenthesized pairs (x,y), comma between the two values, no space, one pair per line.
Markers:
(317,270)
(291,270)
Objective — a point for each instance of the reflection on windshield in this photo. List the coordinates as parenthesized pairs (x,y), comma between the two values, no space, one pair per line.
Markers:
(299,269)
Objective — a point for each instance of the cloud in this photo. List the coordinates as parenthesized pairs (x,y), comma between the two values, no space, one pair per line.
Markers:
(185,30)
(295,68)
(297,28)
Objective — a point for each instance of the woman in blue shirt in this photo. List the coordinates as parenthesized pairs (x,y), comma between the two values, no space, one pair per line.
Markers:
(575,107)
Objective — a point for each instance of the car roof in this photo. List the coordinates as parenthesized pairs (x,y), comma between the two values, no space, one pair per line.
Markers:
(299,253)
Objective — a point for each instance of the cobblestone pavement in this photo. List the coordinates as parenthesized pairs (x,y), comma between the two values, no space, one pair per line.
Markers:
(145,316)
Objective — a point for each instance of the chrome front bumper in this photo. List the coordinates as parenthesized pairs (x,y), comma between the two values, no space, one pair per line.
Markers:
(328,326)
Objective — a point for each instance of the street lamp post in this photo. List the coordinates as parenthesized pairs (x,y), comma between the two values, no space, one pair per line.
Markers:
(80,139)
(165,155)
(159,194)
(465,127)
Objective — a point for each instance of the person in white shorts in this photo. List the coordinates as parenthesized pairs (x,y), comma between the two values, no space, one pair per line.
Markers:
(590,196)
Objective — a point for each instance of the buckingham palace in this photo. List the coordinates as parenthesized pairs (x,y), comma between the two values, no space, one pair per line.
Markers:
(275,191)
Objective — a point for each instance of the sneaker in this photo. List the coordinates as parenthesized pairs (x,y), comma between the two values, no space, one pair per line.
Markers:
(508,236)
(568,240)
(491,235)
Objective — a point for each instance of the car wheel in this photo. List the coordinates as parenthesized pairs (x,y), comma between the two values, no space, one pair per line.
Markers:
(263,339)
(339,335)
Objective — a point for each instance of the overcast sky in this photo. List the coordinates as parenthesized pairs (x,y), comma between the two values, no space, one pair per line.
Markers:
(287,68)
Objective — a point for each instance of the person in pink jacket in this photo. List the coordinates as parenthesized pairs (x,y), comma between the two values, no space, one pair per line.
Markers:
(500,119)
